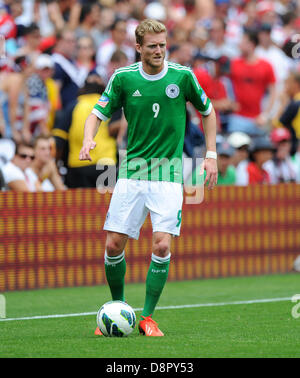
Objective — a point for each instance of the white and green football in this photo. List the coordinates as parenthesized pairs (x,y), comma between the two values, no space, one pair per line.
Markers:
(116,319)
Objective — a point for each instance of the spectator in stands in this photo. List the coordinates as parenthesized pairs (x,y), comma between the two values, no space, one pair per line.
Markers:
(84,174)
(105,22)
(68,77)
(7,24)
(222,8)
(46,65)
(53,16)
(296,161)
(85,56)
(261,150)
(281,168)
(226,171)
(249,15)
(217,45)
(38,99)
(32,37)
(16,10)
(15,104)
(42,172)
(117,60)
(117,40)
(251,77)
(193,138)
(2,123)
(14,171)
(265,11)
(7,150)
(240,160)
(36,11)
(268,51)
(218,88)
(182,54)
(89,17)
(200,70)
(223,98)
(227,174)
(289,116)
(199,36)
(156,11)
(279,61)
(5,130)
(286,30)
(240,142)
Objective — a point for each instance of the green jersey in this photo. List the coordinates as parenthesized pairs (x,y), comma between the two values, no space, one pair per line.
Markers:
(155,109)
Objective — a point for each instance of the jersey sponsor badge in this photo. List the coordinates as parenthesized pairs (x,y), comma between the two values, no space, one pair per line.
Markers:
(172,90)
(204,98)
(103,101)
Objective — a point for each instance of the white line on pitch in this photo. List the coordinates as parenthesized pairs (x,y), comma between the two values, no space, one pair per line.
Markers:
(266,300)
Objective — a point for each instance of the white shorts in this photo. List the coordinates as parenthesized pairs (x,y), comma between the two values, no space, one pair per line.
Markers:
(133,199)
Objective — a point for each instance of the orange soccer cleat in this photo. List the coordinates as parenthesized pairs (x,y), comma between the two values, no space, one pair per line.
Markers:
(149,327)
(98,332)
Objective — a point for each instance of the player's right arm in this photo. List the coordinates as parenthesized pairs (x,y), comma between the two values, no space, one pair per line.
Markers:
(91,127)
(108,103)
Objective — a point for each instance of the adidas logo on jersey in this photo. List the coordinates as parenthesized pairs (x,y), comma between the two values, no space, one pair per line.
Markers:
(136,93)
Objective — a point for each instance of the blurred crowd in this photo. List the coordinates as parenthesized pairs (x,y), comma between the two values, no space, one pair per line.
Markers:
(56,58)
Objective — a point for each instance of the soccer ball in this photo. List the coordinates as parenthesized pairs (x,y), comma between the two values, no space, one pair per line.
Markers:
(116,318)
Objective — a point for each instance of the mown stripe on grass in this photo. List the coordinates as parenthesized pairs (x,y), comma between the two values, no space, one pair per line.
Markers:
(265,300)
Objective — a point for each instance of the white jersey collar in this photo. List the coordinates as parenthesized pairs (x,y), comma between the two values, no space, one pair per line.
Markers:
(153,77)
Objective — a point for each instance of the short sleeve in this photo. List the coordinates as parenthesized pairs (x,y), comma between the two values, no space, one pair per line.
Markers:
(196,95)
(110,100)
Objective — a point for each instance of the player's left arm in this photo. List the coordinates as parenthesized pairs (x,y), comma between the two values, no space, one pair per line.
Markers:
(210,164)
(196,95)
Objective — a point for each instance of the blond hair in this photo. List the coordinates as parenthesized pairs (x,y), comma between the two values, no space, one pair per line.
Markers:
(148,26)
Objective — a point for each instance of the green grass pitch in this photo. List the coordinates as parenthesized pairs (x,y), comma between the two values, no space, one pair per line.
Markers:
(236,330)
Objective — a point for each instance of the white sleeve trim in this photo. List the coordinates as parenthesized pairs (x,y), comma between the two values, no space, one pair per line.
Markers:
(99,115)
(208,111)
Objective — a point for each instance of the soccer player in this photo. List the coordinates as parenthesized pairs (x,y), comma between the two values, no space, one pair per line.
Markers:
(153,94)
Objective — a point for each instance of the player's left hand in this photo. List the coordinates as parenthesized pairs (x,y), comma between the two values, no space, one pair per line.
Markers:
(210,165)
(86,148)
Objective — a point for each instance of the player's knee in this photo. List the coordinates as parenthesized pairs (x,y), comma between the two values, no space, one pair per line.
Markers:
(161,248)
(113,247)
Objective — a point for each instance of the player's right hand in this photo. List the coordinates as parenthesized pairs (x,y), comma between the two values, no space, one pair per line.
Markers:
(86,148)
